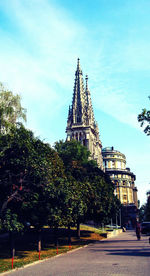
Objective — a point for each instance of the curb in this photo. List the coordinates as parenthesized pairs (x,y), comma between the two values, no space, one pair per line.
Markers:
(42,261)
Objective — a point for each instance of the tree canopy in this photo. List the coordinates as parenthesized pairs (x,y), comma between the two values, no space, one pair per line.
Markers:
(144,119)
(11,111)
(28,167)
(72,153)
(94,191)
(43,186)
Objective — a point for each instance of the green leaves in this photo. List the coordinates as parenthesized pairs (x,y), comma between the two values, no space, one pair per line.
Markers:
(90,192)
(30,172)
(144,118)
(11,111)
(42,186)
(11,223)
(72,153)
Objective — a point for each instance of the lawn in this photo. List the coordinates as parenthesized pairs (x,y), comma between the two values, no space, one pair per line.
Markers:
(26,245)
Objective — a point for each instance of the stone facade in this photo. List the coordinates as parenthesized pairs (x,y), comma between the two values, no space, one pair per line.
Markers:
(81,124)
(122,177)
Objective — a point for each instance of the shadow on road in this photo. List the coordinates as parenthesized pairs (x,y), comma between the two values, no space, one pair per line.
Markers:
(120,241)
(128,246)
(128,252)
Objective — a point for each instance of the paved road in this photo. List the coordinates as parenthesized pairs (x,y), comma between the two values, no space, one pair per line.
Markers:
(119,256)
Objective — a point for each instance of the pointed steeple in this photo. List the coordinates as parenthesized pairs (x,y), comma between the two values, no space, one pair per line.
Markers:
(89,109)
(78,71)
(81,124)
(81,111)
(78,96)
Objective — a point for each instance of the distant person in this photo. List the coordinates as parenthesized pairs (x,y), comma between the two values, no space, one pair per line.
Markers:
(138,230)
(124,228)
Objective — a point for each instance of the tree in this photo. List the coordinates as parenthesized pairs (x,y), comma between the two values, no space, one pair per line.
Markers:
(91,191)
(102,203)
(75,206)
(11,111)
(147,207)
(72,153)
(142,213)
(144,118)
(30,171)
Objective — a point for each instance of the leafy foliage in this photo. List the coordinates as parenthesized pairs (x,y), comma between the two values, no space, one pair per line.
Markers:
(147,207)
(29,169)
(42,186)
(144,118)
(90,191)
(11,110)
(72,153)
(11,223)
(142,213)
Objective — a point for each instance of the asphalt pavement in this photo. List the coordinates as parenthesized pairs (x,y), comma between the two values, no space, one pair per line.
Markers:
(118,256)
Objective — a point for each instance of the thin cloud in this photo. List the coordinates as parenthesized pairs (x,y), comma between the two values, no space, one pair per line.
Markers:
(38,60)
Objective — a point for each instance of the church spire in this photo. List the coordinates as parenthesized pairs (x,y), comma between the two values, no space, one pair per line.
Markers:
(78,96)
(78,71)
(81,111)
(81,124)
(89,109)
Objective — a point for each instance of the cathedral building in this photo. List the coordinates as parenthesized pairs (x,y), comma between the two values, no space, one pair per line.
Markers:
(81,124)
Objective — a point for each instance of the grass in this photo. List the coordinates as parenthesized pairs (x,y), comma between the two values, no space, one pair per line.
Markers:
(93,229)
(26,251)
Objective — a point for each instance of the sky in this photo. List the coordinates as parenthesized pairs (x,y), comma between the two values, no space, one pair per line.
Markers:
(40,41)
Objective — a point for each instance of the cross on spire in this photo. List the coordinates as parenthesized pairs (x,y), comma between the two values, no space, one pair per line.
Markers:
(78,71)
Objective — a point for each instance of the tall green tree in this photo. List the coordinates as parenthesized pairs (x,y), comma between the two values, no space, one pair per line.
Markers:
(147,207)
(74,155)
(94,192)
(11,111)
(142,213)
(102,203)
(30,171)
(144,119)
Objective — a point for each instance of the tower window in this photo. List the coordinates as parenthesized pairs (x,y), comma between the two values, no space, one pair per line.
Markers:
(113,164)
(78,119)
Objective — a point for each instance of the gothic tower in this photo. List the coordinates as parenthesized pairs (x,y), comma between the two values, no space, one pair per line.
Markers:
(81,124)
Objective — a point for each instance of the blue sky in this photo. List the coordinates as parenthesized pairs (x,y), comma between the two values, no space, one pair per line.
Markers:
(40,41)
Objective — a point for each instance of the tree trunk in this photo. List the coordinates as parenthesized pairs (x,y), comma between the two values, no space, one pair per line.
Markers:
(39,240)
(12,244)
(56,236)
(69,235)
(78,229)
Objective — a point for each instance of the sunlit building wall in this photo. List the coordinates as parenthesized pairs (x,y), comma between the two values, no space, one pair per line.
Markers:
(115,166)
